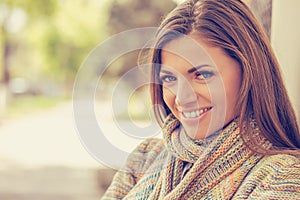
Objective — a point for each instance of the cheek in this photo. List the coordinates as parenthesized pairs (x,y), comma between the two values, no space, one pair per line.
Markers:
(231,97)
(169,97)
(232,94)
(224,94)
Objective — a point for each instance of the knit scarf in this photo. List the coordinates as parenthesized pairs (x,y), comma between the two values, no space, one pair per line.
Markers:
(209,164)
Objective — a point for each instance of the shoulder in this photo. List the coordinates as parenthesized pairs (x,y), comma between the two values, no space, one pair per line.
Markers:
(273,177)
(283,159)
(149,145)
(144,155)
(278,168)
(139,160)
(148,148)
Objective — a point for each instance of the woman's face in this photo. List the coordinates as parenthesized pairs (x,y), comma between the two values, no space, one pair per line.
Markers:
(200,85)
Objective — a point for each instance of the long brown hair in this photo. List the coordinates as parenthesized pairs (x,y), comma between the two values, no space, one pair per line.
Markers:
(230,24)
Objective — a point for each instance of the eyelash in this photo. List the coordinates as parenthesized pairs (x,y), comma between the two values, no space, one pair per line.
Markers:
(205,75)
(165,77)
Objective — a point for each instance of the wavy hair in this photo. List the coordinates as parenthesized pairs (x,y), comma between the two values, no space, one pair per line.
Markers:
(230,25)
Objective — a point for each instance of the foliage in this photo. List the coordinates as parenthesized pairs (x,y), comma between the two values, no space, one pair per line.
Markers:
(57,35)
(125,15)
(24,105)
(56,38)
(128,14)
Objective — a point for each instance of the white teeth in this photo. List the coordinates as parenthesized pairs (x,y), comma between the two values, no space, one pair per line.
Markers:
(187,115)
(196,113)
(193,114)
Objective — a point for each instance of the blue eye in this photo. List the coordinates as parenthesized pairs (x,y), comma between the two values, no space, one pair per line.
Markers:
(167,79)
(204,75)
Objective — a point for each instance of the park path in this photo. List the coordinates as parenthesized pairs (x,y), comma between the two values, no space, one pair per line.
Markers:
(41,157)
(44,138)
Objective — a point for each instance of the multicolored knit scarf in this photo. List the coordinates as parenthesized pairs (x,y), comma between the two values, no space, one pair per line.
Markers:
(210,165)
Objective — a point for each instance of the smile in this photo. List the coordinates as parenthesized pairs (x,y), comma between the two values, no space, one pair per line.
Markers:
(196,113)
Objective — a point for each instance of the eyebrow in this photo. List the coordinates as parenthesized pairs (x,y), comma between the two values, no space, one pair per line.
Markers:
(193,69)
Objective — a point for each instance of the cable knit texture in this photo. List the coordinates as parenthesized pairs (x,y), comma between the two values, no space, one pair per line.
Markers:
(224,169)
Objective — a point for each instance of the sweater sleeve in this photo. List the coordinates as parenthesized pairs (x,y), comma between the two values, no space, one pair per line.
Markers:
(137,162)
(274,177)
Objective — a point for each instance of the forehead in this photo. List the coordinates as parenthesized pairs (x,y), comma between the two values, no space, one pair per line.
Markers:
(187,48)
(192,51)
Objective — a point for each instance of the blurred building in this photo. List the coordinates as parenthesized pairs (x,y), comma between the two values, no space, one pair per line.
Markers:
(285,40)
(279,20)
(263,11)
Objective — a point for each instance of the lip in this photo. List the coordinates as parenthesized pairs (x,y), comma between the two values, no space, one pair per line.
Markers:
(181,110)
(194,119)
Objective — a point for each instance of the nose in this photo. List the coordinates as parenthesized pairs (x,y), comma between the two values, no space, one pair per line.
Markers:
(185,94)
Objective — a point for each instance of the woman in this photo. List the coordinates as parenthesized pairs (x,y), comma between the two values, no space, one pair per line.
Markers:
(229,128)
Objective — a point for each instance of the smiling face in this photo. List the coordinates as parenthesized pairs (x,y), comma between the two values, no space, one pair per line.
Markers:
(200,85)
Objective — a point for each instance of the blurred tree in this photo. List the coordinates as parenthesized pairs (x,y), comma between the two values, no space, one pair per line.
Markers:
(263,11)
(13,17)
(129,14)
(66,39)
(13,12)
(57,37)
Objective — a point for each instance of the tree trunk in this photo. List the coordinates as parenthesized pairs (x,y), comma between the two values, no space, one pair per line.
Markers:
(4,90)
(263,11)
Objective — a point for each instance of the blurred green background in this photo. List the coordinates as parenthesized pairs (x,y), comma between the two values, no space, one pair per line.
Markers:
(44,42)
(42,45)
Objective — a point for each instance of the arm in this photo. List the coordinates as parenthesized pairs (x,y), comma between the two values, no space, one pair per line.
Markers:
(138,161)
(274,177)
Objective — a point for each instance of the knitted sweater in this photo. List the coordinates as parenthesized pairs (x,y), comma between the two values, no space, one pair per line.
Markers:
(229,171)
(273,177)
